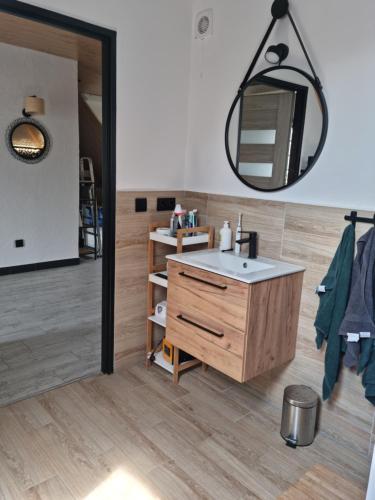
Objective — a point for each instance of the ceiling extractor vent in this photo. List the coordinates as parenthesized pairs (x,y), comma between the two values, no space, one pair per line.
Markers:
(204,24)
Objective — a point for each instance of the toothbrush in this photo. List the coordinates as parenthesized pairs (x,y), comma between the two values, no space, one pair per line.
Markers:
(237,246)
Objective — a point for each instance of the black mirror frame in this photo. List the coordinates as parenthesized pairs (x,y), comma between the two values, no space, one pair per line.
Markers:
(8,139)
(280,9)
(323,136)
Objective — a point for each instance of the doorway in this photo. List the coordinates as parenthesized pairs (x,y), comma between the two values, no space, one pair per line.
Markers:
(24,278)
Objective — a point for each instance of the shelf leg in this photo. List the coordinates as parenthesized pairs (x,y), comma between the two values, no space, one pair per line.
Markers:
(211,237)
(179,244)
(149,344)
(151,253)
(176,364)
(150,302)
(150,324)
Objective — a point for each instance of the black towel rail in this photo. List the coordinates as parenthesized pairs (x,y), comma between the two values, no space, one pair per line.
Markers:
(353,218)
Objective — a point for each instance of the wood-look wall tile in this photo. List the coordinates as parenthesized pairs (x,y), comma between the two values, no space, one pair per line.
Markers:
(198,201)
(312,233)
(132,230)
(265,217)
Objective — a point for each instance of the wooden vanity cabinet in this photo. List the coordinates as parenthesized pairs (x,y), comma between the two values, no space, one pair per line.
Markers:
(242,330)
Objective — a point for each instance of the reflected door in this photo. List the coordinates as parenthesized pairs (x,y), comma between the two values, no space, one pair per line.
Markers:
(265,136)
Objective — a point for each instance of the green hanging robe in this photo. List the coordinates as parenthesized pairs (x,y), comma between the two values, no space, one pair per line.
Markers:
(332,308)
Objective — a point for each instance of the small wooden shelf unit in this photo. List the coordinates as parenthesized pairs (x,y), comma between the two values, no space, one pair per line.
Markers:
(201,235)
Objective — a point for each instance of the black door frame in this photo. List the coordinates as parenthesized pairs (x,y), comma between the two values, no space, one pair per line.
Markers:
(108,39)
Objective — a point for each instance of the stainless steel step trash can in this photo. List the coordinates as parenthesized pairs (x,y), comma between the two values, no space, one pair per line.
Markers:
(298,423)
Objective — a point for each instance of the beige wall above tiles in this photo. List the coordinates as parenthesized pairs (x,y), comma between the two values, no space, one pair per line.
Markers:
(302,234)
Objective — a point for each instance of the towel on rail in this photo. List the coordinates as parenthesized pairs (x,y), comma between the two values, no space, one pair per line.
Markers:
(332,308)
(359,315)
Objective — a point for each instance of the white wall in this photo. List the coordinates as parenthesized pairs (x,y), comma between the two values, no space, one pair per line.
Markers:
(340,38)
(39,203)
(154,42)
(153,60)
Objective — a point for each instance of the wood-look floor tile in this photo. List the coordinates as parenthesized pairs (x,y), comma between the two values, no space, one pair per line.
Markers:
(197,464)
(21,452)
(217,380)
(118,478)
(172,481)
(65,413)
(159,379)
(125,435)
(324,484)
(50,489)
(214,401)
(112,418)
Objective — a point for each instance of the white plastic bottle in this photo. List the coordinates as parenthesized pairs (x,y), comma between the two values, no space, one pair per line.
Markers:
(225,237)
(237,246)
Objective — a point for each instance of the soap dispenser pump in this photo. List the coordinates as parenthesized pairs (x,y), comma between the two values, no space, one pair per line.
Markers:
(225,237)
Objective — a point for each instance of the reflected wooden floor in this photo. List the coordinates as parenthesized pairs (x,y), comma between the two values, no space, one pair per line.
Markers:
(50,329)
(135,435)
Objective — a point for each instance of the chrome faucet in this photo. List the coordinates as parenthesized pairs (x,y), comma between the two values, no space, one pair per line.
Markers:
(252,240)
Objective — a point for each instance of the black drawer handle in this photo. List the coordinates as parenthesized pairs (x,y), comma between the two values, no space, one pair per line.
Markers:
(221,287)
(212,332)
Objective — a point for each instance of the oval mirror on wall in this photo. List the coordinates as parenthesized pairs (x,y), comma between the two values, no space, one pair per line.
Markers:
(28,140)
(276,128)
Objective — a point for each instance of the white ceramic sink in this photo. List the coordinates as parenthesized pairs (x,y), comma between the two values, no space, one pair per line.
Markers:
(234,266)
(229,262)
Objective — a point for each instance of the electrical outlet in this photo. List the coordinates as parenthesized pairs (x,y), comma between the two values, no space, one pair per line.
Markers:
(165,204)
(141,204)
(19,243)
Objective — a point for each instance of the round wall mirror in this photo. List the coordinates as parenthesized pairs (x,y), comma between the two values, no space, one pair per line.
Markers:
(276,128)
(28,140)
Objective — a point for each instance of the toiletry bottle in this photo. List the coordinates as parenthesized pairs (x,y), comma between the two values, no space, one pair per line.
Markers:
(173,225)
(180,214)
(174,220)
(237,246)
(195,217)
(181,219)
(192,219)
(225,237)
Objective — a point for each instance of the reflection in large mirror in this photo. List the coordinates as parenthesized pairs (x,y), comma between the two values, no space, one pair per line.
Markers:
(27,140)
(277,128)
(277,125)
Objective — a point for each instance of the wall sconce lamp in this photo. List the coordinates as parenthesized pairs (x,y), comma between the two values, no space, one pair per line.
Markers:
(276,54)
(33,106)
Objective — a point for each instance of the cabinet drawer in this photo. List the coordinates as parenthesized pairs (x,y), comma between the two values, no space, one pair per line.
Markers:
(208,296)
(201,341)
(209,329)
